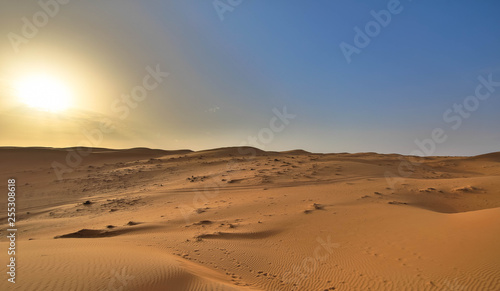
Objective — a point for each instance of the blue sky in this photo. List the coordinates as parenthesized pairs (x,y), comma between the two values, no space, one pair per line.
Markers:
(226,76)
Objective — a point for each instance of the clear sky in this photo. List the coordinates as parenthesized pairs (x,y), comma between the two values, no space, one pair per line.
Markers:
(233,64)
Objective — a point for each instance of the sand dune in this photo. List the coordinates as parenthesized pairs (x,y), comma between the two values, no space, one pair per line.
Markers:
(246,219)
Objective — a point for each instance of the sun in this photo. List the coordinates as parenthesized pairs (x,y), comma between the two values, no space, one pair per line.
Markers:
(44,92)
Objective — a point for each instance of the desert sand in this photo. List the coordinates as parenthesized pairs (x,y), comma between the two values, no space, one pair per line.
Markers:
(245,219)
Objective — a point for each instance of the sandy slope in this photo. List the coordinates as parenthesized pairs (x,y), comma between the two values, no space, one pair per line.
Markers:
(244,219)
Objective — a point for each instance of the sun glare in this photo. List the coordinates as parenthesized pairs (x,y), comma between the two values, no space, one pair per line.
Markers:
(44,93)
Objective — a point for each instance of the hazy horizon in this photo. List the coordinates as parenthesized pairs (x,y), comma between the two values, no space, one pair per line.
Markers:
(209,149)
